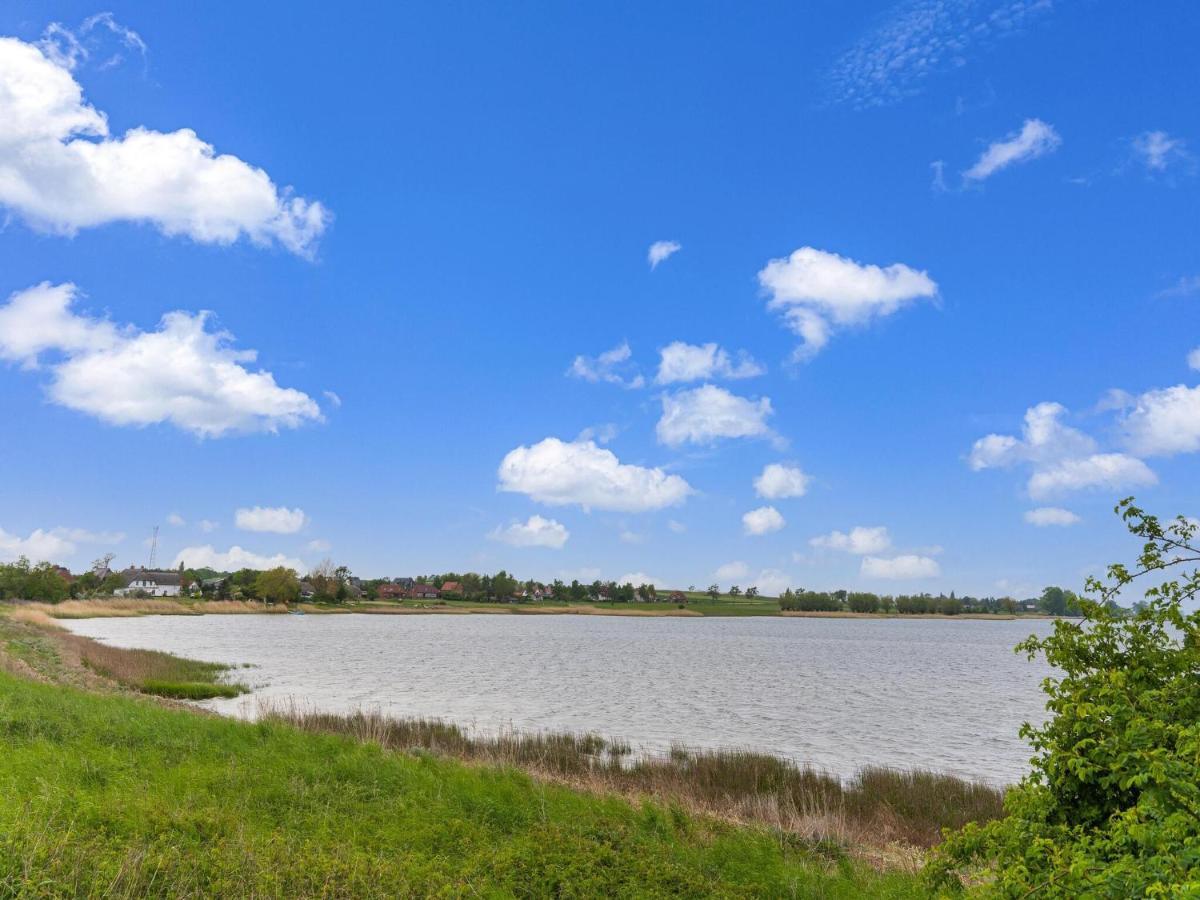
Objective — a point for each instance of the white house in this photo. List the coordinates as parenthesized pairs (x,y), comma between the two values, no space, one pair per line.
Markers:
(150,582)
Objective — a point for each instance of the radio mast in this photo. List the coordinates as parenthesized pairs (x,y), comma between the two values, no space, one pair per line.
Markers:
(154,548)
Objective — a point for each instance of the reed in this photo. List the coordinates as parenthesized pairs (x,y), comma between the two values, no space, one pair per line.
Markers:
(878,806)
(151,671)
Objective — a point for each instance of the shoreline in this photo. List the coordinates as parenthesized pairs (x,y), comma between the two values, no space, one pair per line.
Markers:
(126,608)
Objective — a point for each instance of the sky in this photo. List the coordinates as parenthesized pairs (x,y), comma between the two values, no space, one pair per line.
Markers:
(888,296)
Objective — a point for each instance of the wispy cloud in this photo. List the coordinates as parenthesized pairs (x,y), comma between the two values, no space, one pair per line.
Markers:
(922,38)
(660,251)
(1036,138)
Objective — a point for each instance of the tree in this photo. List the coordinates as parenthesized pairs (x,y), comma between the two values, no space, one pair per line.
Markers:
(735,591)
(1112,805)
(751,591)
(714,591)
(279,585)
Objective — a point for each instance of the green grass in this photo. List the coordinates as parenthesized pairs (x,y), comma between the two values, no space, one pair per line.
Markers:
(104,794)
(153,672)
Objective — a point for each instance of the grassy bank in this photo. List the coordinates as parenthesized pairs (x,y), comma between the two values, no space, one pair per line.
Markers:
(111,795)
(877,807)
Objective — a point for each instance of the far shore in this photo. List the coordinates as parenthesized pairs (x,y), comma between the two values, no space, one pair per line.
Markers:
(122,607)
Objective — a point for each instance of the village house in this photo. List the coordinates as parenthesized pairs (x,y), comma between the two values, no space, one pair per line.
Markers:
(423,592)
(151,582)
(678,597)
(392,592)
(452,587)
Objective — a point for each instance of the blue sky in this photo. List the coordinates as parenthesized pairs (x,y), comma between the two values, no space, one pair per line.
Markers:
(432,223)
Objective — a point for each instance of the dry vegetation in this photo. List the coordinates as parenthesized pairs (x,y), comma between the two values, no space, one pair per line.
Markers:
(151,671)
(878,807)
(116,607)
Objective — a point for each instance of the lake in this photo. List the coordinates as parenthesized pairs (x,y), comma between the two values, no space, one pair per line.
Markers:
(943,694)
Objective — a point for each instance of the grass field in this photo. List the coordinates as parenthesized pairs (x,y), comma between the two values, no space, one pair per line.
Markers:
(110,795)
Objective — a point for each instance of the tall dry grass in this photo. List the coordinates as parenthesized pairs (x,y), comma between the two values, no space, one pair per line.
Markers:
(152,671)
(878,806)
(31,616)
(118,607)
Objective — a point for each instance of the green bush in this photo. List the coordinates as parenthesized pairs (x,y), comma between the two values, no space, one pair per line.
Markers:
(1112,805)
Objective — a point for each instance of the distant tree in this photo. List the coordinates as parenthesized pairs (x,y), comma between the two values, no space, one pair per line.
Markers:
(752,591)
(279,585)
(1056,602)
(714,591)
(735,591)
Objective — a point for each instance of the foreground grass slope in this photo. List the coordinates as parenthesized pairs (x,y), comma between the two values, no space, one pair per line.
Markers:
(104,794)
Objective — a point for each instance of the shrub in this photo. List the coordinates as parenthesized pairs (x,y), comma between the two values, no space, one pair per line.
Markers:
(1112,805)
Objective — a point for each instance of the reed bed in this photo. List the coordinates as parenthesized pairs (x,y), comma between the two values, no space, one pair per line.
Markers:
(151,671)
(128,607)
(34,617)
(878,806)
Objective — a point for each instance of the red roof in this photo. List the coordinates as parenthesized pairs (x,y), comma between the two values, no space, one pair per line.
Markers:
(452,587)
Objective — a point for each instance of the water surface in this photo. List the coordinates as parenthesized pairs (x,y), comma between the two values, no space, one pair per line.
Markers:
(837,693)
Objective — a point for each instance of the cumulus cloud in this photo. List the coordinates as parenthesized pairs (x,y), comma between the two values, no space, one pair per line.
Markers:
(1036,138)
(62,171)
(560,473)
(637,579)
(731,571)
(612,366)
(680,362)
(1045,516)
(1062,458)
(1166,421)
(39,546)
(536,532)
(777,482)
(273,519)
(899,568)
(53,545)
(706,413)
(1114,471)
(920,38)
(1158,151)
(176,520)
(818,292)
(182,373)
(207,557)
(772,582)
(860,540)
(763,520)
(660,251)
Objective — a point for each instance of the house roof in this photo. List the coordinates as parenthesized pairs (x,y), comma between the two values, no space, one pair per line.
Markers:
(424,589)
(452,586)
(161,578)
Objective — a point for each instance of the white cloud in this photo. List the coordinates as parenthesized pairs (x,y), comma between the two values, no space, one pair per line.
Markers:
(181,374)
(631,537)
(559,473)
(83,536)
(1036,138)
(612,366)
(39,546)
(1186,286)
(861,540)
(62,171)
(660,251)
(1113,471)
(778,481)
(207,525)
(1063,458)
(637,579)
(207,557)
(1045,516)
(1166,421)
(68,48)
(706,413)
(817,292)
(537,532)
(334,400)
(176,520)
(319,545)
(763,520)
(681,362)
(897,568)
(1157,150)
(1193,359)
(731,571)
(676,526)
(274,519)
(920,38)
(772,582)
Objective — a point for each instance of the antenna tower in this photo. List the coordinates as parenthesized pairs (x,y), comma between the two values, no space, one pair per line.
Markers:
(154,548)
